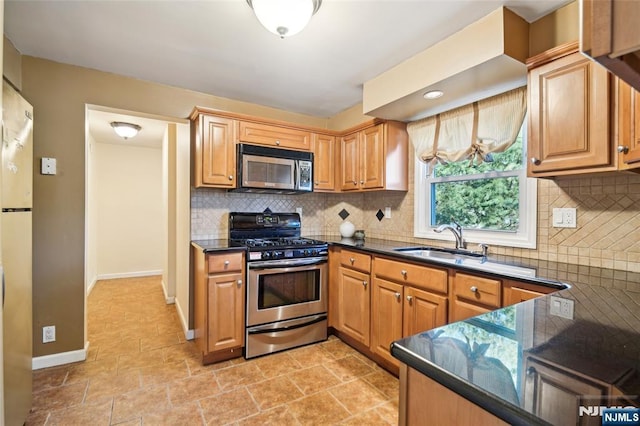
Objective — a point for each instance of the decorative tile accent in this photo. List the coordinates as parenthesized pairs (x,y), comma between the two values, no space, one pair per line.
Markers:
(379,215)
(343,214)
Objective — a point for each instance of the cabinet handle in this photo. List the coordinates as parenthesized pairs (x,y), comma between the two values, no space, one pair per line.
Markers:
(409,299)
(397,296)
(351,259)
(535,161)
(364,284)
(226,263)
(404,273)
(277,142)
(474,289)
(623,149)
(239,283)
(230,177)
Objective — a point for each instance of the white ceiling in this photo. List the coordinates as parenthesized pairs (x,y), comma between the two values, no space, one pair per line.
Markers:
(150,135)
(219,47)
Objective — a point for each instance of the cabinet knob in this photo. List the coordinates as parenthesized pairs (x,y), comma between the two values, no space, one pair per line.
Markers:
(397,295)
(474,289)
(316,182)
(351,259)
(361,182)
(535,161)
(239,283)
(404,273)
(355,183)
(623,149)
(230,177)
(226,263)
(409,299)
(531,371)
(277,142)
(364,284)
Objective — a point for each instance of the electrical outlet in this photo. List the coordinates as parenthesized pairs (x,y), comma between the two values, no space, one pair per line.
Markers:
(387,212)
(561,307)
(564,218)
(49,334)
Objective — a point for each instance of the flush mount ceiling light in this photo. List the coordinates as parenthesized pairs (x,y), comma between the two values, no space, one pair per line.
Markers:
(433,94)
(284,17)
(125,130)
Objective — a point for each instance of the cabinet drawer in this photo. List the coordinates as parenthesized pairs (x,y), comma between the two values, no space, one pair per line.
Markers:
(355,260)
(407,273)
(274,136)
(477,289)
(224,262)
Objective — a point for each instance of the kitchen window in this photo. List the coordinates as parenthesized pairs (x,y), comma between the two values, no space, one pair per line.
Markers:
(489,195)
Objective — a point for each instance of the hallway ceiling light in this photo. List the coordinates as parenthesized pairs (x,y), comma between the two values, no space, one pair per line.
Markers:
(284,17)
(125,130)
(433,94)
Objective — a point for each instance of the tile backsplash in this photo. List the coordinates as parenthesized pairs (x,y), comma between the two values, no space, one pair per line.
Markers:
(607,236)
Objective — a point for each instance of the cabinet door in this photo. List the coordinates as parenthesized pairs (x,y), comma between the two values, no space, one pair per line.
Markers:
(226,311)
(386,317)
(556,396)
(372,157)
(354,304)
(324,161)
(569,127)
(218,155)
(422,311)
(628,126)
(349,163)
(274,136)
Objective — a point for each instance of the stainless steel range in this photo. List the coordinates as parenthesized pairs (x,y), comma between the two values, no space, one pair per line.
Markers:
(286,283)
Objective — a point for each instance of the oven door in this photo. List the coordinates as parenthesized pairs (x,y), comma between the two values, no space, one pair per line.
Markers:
(287,289)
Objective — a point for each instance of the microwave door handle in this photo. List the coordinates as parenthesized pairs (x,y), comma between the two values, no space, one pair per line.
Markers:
(296,175)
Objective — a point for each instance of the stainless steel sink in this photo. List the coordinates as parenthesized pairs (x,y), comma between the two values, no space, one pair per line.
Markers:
(466,258)
(437,252)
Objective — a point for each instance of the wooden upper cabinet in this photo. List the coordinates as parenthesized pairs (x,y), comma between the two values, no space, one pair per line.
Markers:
(628,131)
(324,162)
(274,136)
(349,162)
(214,159)
(569,115)
(374,158)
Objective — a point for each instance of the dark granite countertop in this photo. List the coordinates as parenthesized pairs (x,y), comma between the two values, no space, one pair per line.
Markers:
(215,245)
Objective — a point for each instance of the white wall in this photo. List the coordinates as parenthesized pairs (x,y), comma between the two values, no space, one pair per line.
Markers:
(91,271)
(129,228)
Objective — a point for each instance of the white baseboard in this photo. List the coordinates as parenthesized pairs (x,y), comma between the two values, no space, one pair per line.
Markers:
(91,286)
(61,358)
(129,274)
(188,334)
(169,300)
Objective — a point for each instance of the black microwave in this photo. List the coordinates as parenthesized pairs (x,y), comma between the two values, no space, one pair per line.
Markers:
(273,170)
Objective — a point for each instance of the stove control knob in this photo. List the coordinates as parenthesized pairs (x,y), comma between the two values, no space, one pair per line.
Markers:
(266,255)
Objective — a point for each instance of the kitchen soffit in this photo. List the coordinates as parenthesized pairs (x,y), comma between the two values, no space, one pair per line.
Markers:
(479,61)
(218,47)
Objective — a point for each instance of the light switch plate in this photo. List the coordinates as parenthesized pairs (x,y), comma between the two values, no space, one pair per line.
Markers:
(561,307)
(48,166)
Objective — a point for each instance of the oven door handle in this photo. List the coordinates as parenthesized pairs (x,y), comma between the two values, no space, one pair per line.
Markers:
(271,329)
(284,263)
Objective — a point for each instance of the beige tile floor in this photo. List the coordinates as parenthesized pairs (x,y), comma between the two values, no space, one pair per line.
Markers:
(141,371)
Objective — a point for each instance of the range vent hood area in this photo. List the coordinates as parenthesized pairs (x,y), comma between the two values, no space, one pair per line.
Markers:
(481,60)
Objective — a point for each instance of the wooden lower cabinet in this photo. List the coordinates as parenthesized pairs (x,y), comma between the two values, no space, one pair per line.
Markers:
(386,317)
(515,292)
(422,311)
(473,295)
(354,304)
(556,395)
(219,304)
(425,401)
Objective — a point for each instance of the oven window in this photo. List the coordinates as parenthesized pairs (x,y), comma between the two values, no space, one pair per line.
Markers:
(288,288)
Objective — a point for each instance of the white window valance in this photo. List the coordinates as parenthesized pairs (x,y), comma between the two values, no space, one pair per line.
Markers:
(470,132)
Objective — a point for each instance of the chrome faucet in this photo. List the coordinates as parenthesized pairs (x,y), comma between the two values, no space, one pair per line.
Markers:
(456,229)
